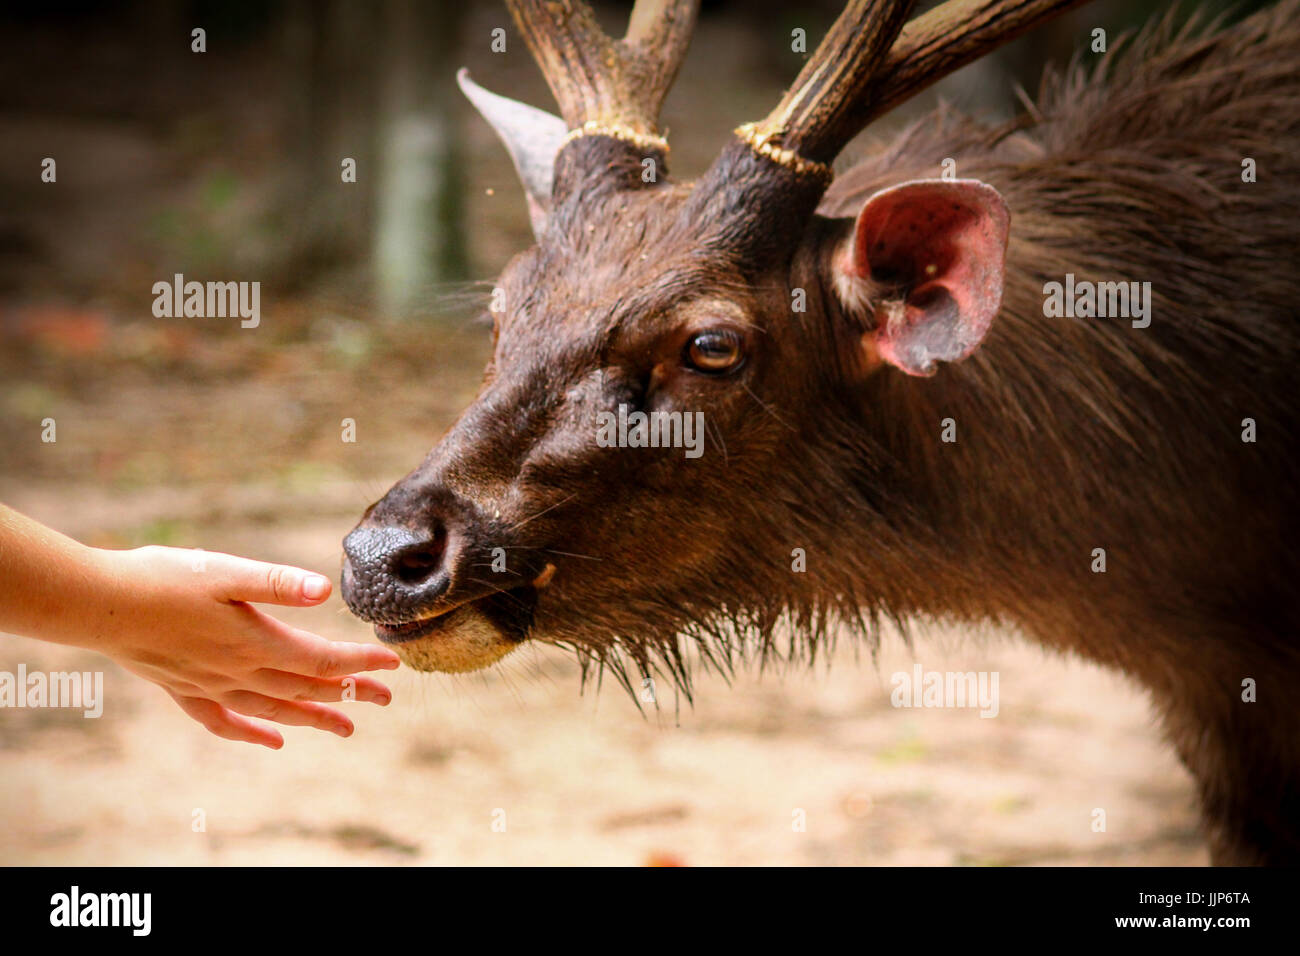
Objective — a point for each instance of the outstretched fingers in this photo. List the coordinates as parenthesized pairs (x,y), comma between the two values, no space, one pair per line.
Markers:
(302,652)
(227,724)
(287,686)
(292,713)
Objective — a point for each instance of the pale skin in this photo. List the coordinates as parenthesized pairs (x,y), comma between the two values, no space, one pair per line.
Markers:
(185,621)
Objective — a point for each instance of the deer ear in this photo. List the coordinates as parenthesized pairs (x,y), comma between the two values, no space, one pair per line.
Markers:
(929,257)
(532,137)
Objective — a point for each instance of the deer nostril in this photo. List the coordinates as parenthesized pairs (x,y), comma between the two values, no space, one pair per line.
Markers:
(415,564)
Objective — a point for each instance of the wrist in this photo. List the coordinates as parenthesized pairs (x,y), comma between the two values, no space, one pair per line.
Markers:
(94,604)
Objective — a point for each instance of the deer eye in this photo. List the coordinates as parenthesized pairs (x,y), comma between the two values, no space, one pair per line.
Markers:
(714,352)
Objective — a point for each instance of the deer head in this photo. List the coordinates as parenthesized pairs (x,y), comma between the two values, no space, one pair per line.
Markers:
(646,295)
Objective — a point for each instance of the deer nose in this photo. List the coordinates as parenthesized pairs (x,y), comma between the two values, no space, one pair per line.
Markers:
(392,574)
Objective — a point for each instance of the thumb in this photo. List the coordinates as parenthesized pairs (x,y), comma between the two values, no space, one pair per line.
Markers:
(261,583)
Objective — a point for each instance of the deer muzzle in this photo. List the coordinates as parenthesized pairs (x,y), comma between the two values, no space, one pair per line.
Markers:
(405,583)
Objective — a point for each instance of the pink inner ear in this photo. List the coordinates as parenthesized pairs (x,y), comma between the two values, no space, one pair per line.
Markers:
(942,244)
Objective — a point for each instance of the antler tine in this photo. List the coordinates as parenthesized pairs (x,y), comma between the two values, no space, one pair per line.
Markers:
(605,85)
(811,119)
(658,33)
(947,38)
(855,76)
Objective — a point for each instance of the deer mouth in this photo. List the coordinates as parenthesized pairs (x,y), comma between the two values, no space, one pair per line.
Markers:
(466,637)
(512,610)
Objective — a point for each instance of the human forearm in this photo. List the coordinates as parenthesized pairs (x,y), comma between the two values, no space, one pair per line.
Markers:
(51,586)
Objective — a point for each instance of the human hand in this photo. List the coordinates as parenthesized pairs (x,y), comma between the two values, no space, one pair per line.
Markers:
(183,620)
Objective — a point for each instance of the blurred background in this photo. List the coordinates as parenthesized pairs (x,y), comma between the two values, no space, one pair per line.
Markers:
(226,165)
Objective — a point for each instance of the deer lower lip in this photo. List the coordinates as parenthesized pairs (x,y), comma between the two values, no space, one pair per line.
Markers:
(511,611)
(396,634)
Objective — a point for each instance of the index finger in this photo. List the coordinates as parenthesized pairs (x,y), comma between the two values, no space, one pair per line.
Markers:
(302,652)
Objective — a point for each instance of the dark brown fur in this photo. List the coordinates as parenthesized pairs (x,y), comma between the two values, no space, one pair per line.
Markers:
(1087,433)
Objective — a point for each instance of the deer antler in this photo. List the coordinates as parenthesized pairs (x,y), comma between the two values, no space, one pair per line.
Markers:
(810,120)
(930,47)
(605,86)
(858,71)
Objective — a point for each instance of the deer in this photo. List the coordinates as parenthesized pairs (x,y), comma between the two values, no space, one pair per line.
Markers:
(1112,488)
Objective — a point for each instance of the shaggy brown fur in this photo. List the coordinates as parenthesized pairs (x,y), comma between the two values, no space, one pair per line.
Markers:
(1087,433)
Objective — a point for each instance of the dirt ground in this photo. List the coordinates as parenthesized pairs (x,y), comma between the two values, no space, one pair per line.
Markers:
(192,450)
(586,780)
